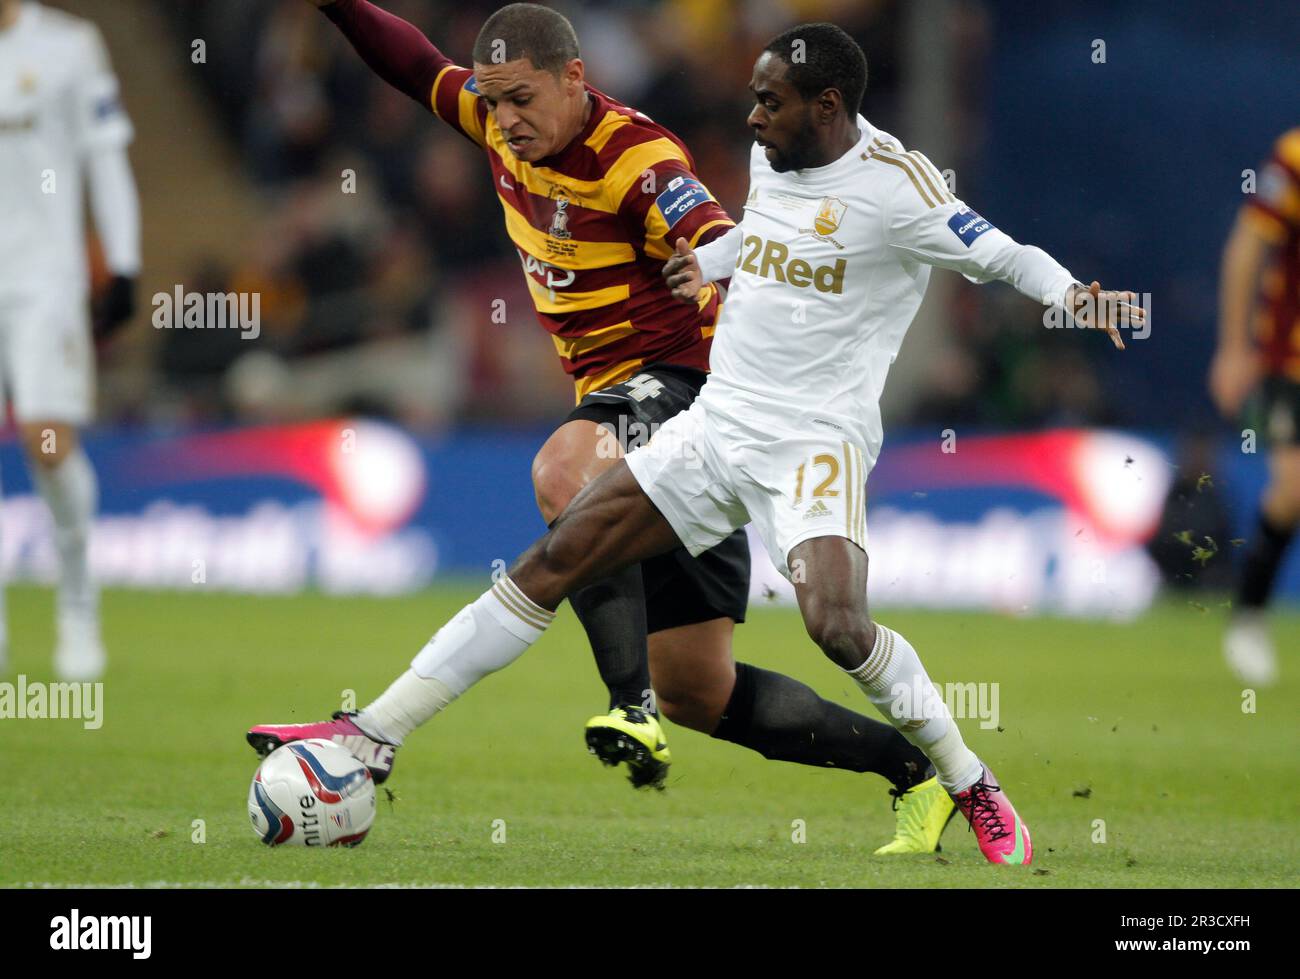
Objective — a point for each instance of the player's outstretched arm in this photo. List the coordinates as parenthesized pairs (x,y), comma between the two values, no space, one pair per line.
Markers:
(394,49)
(942,231)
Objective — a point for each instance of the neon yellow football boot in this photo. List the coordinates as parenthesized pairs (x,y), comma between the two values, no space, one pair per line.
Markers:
(633,735)
(922,813)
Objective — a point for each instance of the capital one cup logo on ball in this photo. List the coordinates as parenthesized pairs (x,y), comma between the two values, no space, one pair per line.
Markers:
(311,793)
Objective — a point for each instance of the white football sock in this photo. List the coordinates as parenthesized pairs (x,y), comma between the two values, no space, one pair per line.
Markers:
(491,632)
(71,491)
(896,683)
(409,701)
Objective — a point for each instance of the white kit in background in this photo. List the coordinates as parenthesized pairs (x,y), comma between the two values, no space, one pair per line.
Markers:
(62,127)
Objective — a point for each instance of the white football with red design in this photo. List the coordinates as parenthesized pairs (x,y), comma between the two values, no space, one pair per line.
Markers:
(311,793)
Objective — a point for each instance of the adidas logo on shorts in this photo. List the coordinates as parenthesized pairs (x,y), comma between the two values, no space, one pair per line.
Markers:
(818,509)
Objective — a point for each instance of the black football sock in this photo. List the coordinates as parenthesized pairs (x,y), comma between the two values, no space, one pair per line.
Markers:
(784,720)
(612,611)
(1263,557)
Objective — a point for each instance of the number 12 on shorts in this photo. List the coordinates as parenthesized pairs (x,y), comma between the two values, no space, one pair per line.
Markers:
(823,462)
(819,476)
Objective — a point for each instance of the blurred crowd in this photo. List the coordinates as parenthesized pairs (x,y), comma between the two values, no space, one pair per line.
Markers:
(380,251)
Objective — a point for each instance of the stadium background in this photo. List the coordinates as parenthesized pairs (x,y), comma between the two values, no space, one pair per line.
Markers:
(378,305)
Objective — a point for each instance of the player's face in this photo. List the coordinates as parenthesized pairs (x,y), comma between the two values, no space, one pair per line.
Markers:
(538,112)
(782,121)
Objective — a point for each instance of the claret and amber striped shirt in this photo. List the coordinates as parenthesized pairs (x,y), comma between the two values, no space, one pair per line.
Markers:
(1274,212)
(592,224)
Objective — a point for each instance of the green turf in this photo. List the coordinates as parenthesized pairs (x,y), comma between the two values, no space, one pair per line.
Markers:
(1138,725)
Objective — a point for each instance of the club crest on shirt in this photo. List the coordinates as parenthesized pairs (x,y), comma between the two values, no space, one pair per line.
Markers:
(830,213)
(27,83)
(560,223)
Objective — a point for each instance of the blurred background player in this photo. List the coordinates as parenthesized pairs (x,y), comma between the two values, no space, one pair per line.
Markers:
(61,123)
(1258,356)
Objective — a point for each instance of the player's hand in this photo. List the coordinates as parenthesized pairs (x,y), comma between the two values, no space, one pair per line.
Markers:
(114,308)
(1095,308)
(1234,372)
(683,274)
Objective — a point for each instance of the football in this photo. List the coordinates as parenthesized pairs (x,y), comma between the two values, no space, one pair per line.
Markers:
(311,793)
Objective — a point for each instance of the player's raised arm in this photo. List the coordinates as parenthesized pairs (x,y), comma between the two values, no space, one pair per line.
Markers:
(931,225)
(401,55)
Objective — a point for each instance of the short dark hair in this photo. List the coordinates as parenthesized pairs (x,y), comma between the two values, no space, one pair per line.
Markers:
(822,56)
(527,30)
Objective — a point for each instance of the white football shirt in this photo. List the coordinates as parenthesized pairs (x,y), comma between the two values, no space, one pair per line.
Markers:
(829,266)
(58,104)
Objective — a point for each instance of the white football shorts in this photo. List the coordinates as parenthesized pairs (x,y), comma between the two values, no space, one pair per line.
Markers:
(708,474)
(47,358)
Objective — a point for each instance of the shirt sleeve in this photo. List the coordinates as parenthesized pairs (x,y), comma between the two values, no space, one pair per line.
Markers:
(400,54)
(116,205)
(456,102)
(718,258)
(101,121)
(667,201)
(928,224)
(1274,209)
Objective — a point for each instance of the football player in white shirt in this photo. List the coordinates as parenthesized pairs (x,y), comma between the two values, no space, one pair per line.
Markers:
(828,268)
(61,123)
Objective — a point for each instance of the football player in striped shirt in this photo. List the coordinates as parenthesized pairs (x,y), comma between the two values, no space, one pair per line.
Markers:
(1257,366)
(592,193)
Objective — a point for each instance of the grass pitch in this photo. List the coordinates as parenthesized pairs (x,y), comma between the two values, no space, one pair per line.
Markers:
(1136,725)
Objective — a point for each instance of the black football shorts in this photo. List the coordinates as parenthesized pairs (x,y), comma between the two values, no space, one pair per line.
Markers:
(679,589)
